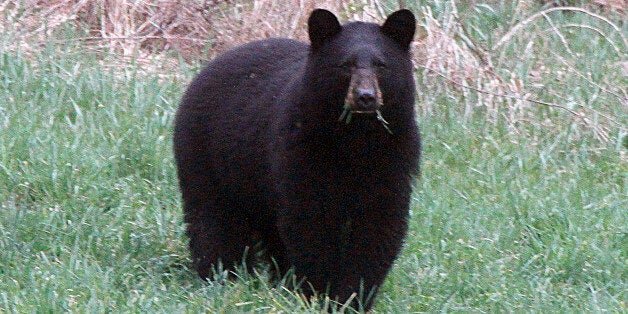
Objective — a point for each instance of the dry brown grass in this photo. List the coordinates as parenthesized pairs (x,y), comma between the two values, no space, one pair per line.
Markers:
(448,55)
(258,19)
(121,26)
(467,70)
(143,29)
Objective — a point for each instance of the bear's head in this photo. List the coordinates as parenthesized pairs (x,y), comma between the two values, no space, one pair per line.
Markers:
(362,68)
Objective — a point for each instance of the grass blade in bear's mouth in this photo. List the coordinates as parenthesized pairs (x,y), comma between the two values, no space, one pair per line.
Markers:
(348,112)
(381,119)
(365,111)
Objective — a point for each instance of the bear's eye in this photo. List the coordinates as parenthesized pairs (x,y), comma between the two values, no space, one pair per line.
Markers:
(345,65)
(380,65)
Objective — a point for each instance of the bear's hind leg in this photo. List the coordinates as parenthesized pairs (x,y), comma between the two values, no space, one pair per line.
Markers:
(275,254)
(221,237)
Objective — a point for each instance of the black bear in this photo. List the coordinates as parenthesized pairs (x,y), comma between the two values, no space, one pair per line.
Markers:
(304,152)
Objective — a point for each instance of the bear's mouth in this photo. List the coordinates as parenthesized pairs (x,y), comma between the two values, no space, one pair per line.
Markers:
(348,113)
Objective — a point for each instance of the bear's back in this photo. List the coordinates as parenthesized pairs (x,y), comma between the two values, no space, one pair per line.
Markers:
(220,127)
(240,76)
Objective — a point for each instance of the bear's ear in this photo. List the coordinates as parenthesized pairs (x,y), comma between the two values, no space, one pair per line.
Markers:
(321,26)
(400,26)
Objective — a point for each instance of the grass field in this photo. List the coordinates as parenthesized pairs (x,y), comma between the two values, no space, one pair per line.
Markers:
(521,206)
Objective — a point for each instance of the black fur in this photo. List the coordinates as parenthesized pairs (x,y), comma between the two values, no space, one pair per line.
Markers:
(263,156)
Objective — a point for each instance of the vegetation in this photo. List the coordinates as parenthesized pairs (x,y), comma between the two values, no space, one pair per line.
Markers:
(521,205)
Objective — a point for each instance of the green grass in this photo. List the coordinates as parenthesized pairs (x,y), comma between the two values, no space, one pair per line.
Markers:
(530,217)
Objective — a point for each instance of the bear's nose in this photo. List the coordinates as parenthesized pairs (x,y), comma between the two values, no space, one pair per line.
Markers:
(366,98)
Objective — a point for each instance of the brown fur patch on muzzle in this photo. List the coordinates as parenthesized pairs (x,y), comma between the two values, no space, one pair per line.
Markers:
(363,97)
(363,94)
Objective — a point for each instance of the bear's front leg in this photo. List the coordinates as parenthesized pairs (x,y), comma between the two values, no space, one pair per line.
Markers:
(343,253)
(373,244)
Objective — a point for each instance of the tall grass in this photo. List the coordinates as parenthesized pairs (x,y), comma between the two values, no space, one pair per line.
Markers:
(521,206)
